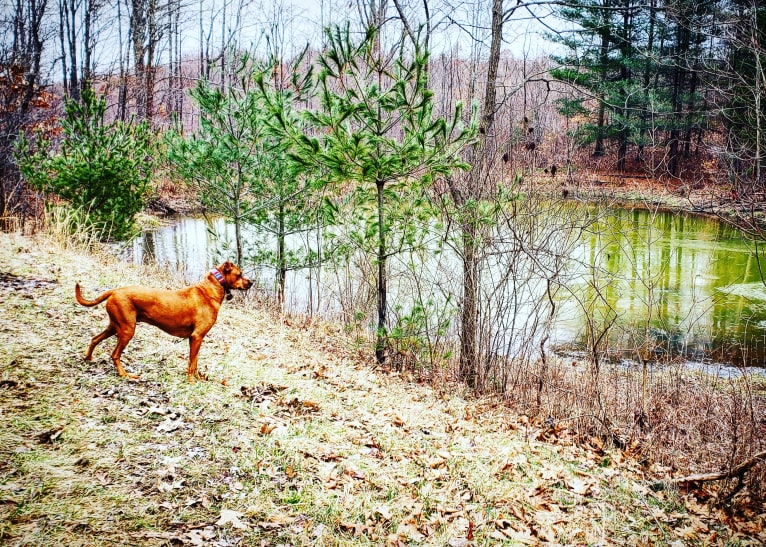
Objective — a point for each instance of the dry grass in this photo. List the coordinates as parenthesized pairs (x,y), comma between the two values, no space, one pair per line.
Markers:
(295,440)
(684,420)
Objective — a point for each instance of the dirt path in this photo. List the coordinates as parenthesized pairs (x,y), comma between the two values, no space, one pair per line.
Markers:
(295,440)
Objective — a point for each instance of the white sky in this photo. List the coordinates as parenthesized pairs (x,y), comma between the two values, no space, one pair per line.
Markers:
(301,22)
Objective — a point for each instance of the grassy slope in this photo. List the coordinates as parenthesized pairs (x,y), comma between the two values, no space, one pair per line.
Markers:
(295,440)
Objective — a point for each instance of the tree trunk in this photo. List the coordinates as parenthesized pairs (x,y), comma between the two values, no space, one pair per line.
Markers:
(381,337)
(122,91)
(469,320)
(647,79)
(689,125)
(679,80)
(599,148)
(68,13)
(150,56)
(88,14)
(238,236)
(625,77)
(281,258)
(138,34)
(468,365)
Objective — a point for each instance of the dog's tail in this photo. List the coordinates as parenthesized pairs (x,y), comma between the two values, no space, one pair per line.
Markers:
(89,303)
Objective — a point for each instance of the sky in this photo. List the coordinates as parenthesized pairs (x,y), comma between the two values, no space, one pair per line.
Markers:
(301,22)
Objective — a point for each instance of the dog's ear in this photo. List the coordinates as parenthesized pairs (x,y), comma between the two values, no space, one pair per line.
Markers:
(226,267)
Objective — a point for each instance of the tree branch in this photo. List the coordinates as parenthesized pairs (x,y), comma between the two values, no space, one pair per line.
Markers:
(737,471)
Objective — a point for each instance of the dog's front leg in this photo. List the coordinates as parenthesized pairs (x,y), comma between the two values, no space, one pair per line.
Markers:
(195,341)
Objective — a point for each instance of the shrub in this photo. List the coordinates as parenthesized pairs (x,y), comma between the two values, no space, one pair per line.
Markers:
(100,168)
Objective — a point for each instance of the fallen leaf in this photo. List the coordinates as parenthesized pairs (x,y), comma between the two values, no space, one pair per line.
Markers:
(276,521)
(578,486)
(50,436)
(310,405)
(408,531)
(687,532)
(355,528)
(384,511)
(169,425)
(157,410)
(201,537)
(229,516)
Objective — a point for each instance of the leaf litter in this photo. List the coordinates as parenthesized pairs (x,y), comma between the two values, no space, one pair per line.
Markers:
(294,440)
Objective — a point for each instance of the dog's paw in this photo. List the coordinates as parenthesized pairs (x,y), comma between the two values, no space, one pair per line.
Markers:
(197,376)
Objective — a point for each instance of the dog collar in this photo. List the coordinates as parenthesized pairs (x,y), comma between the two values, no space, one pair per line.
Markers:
(219,276)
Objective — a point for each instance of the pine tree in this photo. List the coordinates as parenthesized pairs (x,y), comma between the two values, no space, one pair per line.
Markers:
(101,169)
(242,171)
(376,135)
(599,63)
(744,110)
(638,69)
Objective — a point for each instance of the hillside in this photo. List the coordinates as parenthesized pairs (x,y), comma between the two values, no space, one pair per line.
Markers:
(294,440)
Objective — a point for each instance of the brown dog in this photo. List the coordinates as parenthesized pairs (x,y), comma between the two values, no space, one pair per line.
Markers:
(187,313)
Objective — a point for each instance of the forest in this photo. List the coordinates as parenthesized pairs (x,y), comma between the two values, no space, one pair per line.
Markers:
(431,168)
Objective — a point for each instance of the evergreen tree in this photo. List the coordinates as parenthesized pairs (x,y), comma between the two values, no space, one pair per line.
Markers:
(101,169)
(638,69)
(221,159)
(744,89)
(240,170)
(599,63)
(375,134)
(689,24)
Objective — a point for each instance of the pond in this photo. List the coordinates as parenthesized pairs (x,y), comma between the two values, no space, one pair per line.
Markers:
(704,281)
(691,285)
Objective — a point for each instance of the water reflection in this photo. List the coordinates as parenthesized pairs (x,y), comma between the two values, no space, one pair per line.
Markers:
(689,285)
(187,246)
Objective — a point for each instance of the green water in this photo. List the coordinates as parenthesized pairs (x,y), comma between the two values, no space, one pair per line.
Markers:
(676,284)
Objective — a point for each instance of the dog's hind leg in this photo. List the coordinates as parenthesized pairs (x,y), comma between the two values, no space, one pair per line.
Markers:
(123,337)
(109,331)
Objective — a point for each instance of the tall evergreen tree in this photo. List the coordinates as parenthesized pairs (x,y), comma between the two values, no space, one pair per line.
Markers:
(600,62)
(689,23)
(637,67)
(744,89)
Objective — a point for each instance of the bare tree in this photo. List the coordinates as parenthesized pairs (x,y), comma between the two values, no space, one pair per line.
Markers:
(465,191)
(22,44)
(78,33)
(146,34)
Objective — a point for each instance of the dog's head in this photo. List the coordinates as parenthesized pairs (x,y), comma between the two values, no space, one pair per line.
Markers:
(233,278)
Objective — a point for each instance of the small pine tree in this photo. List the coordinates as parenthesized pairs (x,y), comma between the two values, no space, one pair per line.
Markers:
(241,171)
(375,134)
(102,169)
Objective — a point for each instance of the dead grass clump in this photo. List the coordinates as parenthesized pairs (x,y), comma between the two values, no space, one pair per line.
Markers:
(681,420)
